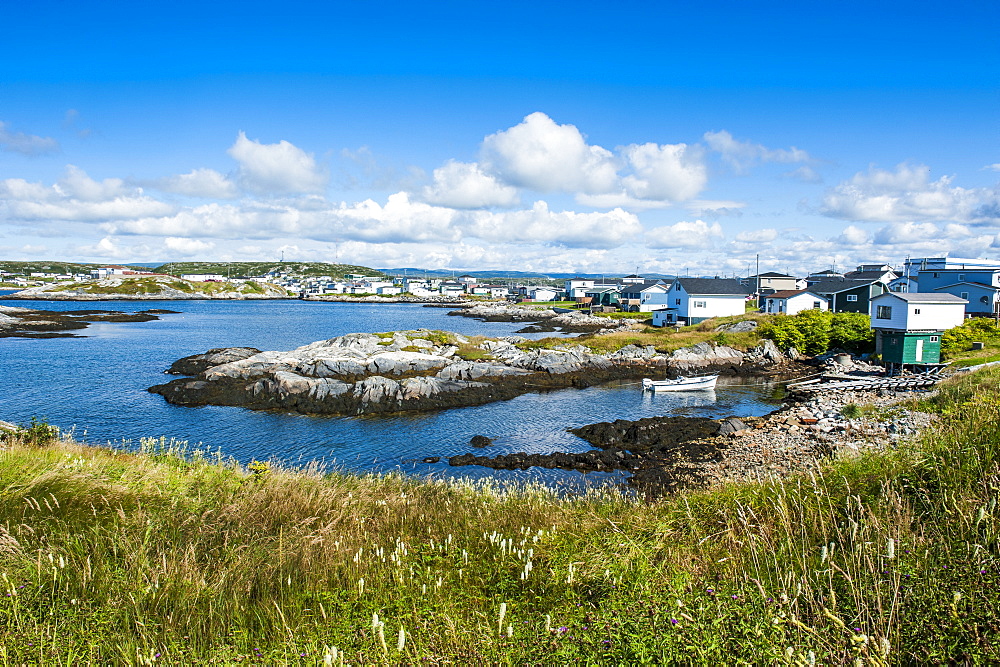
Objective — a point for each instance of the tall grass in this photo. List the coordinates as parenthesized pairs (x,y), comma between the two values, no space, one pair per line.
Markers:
(180,557)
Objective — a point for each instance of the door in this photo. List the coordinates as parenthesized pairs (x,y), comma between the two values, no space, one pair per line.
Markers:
(919,356)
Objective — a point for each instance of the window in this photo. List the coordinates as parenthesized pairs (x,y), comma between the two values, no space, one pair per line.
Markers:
(883,313)
(934,339)
(816,305)
(677,302)
(937,275)
(916,311)
(700,304)
(965,295)
(961,276)
(852,297)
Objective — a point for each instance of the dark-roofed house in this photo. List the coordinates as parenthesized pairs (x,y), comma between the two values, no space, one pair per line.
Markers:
(908,325)
(791,302)
(849,296)
(823,276)
(693,300)
(882,275)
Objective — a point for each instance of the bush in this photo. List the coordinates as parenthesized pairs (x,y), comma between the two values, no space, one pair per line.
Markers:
(960,338)
(38,434)
(852,332)
(816,331)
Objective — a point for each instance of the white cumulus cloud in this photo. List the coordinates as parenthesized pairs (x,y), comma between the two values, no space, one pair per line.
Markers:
(465,185)
(280,168)
(179,246)
(78,197)
(908,194)
(671,172)
(400,219)
(852,236)
(205,183)
(544,156)
(692,235)
(539,224)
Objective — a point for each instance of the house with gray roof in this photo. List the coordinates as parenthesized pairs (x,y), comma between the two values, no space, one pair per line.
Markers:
(908,325)
(849,296)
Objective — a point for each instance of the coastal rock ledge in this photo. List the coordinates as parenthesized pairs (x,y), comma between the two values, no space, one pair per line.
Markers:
(422,370)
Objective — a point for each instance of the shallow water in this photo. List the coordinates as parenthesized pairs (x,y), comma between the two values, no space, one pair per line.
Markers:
(96,386)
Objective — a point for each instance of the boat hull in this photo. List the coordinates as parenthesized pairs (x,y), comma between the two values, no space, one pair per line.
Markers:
(681,383)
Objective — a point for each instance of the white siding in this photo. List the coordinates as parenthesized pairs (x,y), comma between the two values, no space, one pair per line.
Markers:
(714,305)
(905,315)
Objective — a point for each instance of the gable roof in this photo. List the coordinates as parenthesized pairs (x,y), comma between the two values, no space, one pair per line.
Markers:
(836,286)
(641,287)
(868,275)
(923,297)
(713,286)
(969,282)
(771,274)
(789,293)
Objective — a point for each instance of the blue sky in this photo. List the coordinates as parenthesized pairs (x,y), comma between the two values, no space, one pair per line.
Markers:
(585,136)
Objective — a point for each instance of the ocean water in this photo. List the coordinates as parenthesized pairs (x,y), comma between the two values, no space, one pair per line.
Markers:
(95,385)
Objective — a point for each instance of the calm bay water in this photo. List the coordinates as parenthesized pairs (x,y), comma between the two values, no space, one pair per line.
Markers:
(96,385)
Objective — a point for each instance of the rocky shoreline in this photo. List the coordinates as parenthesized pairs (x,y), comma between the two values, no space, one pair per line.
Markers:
(27,323)
(543,319)
(666,454)
(427,370)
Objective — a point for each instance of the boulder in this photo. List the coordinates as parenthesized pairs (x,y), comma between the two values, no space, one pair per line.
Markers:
(196,363)
(480,441)
(731,425)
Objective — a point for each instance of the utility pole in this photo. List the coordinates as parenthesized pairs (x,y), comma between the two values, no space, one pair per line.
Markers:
(758,280)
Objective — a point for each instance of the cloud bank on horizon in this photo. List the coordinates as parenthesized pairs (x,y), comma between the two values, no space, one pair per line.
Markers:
(538,195)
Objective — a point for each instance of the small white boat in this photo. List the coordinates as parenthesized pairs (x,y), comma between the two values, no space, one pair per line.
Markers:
(681,383)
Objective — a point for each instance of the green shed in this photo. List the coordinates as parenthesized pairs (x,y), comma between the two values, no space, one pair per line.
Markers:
(904,347)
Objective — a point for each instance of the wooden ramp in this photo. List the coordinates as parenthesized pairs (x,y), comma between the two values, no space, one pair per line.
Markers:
(853,383)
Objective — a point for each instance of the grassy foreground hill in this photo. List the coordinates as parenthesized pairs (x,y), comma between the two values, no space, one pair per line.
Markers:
(178,557)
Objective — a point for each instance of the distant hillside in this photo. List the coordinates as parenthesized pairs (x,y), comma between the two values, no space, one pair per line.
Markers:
(503,276)
(49,266)
(235,269)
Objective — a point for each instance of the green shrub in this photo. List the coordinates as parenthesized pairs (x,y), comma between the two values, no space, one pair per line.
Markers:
(960,338)
(815,332)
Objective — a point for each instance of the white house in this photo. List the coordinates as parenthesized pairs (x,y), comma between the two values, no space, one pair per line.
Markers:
(692,300)
(644,297)
(908,325)
(203,277)
(451,289)
(577,288)
(917,311)
(791,302)
(542,294)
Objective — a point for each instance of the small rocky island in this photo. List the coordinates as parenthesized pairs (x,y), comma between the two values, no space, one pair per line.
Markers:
(425,370)
(28,323)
